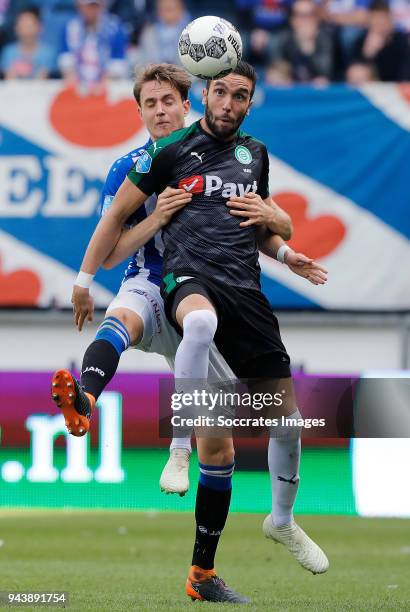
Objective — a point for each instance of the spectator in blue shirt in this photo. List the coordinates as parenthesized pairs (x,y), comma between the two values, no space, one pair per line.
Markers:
(159,41)
(263,14)
(54,15)
(94,45)
(258,19)
(27,58)
(134,14)
(9,10)
(400,10)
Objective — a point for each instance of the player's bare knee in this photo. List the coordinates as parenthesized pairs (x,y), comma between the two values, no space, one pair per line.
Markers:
(220,457)
(216,451)
(131,321)
(223,452)
(227,456)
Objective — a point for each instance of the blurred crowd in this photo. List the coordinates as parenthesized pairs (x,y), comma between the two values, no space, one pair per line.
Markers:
(288,41)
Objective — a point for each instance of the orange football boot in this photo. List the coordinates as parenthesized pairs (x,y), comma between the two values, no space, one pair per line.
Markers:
(76,405)
(205,585)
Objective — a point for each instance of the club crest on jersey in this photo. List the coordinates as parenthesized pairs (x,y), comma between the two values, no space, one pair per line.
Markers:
(243,155)
(143,163)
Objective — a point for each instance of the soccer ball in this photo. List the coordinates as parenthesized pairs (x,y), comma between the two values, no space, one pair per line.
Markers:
(210,47)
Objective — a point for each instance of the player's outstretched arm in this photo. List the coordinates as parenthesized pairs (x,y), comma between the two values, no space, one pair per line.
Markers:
(276,248)
(169,202)
(127,200)
(261,212)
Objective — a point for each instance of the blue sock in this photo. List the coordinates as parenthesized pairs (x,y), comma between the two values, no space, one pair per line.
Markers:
(217,477)
(101,358)
(211,510)
(114,332)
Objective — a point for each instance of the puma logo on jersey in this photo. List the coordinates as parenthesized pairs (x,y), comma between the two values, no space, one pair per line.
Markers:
(195,154)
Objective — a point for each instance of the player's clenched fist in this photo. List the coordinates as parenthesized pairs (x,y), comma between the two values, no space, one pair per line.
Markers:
(83,306)
(169,202)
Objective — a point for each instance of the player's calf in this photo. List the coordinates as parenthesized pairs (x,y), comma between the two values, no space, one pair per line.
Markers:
(76,405)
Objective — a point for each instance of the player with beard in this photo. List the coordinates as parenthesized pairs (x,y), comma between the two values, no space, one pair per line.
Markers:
(135,318)
(211,289)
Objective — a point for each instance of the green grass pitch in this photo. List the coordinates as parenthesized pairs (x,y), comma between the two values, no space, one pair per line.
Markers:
(139,560)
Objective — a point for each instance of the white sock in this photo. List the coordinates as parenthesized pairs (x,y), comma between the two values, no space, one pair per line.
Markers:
(191,365)
(178,442)
(192,356)
(283,460)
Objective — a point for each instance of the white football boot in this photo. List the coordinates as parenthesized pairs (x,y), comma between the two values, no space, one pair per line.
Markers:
(309,554)
(174,477)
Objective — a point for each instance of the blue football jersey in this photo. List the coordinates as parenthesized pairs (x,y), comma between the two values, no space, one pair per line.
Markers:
(147,261)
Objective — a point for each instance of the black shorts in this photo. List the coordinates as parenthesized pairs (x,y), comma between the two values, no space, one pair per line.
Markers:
(248,334)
